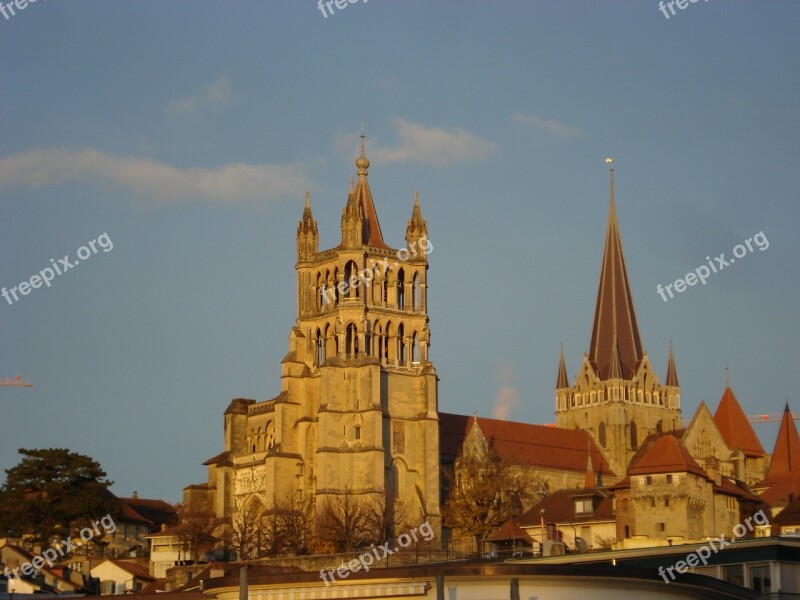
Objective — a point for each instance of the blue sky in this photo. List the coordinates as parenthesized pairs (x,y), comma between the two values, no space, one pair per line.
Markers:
(189,132)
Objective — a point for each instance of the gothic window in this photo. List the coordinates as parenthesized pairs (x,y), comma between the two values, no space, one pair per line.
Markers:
(401,344)
(401,289)
(352,341)
(414,348)
(634,436)
(601,433)
(335,283)
(320,344)
(270,429)
(350,270)
(416,295)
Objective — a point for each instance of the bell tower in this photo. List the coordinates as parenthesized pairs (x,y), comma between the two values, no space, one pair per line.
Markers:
(359,367)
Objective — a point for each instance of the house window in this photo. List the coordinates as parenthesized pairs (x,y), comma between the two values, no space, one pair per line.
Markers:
(649,480)
(669,478)
(760,579)
(661,527)
(733,574)
(666,502)
(652,502)
(583,506)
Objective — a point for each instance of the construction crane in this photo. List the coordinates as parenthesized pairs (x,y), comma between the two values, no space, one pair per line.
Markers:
(769,418)
(18,381)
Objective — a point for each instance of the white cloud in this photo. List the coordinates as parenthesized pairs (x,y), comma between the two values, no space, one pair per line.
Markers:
(421,144)
(217,94)
(507,398)
(560,129)
(236,183)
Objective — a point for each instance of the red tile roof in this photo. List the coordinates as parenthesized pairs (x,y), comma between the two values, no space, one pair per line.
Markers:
(521,443)
(509,531)
(734,426)
(786,455)
(559,507)
(666,455)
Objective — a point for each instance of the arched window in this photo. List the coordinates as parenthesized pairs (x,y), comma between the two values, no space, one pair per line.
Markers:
(634,436)
(401,289)
(601,434)
(335,283)
(415,348)
(320,347)
(416,293)
(401,344)
(351,347)
(351,269)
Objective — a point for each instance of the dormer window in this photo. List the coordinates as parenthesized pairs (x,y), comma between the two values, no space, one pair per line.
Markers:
(583,506)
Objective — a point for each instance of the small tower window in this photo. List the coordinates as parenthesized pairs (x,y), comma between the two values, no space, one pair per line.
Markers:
(358,432)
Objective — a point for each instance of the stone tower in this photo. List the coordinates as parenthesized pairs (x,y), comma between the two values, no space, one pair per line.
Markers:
(616,395)
(357,412)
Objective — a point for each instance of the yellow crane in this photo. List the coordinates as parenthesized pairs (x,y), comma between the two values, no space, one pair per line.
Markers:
(18,381)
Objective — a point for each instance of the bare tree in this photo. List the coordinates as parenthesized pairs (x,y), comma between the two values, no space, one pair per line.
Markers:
(284,528)
(484,492)
(246,530)
(384,519)
(343,521)
(195,530)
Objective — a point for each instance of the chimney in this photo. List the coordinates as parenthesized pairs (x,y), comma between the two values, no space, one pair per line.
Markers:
(135,495)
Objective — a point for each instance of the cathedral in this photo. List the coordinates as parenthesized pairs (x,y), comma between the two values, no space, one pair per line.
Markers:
(357,413)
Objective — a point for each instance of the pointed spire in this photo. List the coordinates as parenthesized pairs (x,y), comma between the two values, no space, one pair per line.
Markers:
(728,380)
(307,233)
(672,372)
(589,482)
(362,196)
(786,455)
(563,380)
(615,328)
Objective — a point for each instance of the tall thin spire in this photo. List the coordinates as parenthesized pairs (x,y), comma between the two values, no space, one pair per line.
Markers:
(563,380)
(615,328)
(589,481)
(672,372)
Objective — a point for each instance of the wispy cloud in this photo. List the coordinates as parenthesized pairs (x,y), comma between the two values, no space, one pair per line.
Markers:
(214,95)
(237,183)
(507,398)
(422,144)
(556,128)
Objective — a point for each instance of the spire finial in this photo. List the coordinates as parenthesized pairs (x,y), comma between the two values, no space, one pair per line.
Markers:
(308,200)
(362,162)
(727,377)
(352,186)
(416,197)
(610,163)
